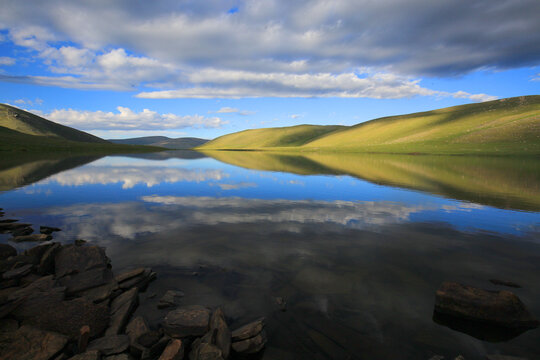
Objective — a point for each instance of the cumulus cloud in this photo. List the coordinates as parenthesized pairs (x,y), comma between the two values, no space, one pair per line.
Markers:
(127,119)
(201,50)
(230,110)
(36,101)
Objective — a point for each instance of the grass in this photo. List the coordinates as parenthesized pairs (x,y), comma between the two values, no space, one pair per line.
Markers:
(501,127)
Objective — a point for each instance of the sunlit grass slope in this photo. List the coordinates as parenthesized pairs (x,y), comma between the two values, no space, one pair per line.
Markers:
(508,126)
(31,124)
(293,136)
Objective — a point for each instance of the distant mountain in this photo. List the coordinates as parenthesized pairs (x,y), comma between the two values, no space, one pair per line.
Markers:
(31,124)
(505,127)
(162,141)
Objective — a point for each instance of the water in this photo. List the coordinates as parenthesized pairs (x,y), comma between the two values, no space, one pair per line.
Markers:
(355,244)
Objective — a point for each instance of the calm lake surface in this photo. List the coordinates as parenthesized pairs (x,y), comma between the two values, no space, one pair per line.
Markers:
(355,244)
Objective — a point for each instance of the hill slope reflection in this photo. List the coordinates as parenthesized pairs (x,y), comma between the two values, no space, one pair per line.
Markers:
(508,183)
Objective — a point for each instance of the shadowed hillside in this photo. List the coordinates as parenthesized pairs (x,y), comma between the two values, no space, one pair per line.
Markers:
(506,127)
(30,124)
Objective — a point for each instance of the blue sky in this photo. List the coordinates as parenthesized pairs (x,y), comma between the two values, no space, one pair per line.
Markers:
(191,68)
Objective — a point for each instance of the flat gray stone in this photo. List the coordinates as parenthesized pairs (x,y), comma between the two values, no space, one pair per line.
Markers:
(129,274)
(251,345)
(187,321)
(32,238)
(100,293)
(76,283)
(136,327)
(249,330)
(173,351)
(18,272)
(77,259)
(110,345)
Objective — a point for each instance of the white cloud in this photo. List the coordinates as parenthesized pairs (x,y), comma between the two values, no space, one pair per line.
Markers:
(36,101)
(295,116)
(127,119)
(230,110)
(5,60)
(197,50)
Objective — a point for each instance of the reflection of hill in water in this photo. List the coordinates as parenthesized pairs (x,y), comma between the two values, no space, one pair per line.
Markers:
(171,154)
(504,182)
(21,170)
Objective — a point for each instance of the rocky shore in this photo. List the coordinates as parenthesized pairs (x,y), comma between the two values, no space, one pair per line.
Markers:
(63,301)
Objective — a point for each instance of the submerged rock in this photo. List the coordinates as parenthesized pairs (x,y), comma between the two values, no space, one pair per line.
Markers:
(250,338)
(504,283)
(501,308)
(110,345)
(32,238)
(48,229)
(29,343)
(187,321)
(170,299)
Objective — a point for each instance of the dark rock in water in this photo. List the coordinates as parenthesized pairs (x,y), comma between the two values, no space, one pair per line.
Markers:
(100,293)
(251,345)
(171,298)
(6,227)
(173,351)
(136,327)
(46,264)
(501,308)
(206,351)
(28,343)
(8,221)
(32,238)
(221,332)
(249,330)
(504,283)
(158,348)
(7,251)
(77,259)
(48,229)
(110,345)
(503,357)
(121,309)
(89,355)
(187,321)
(129,274)
(79,242)
(85,280)
(22,231)
(67,317)
(250,338)
(18,272)
(149,339)
(140,281)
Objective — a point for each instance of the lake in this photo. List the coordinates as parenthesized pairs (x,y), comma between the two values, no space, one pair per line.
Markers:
(356,245)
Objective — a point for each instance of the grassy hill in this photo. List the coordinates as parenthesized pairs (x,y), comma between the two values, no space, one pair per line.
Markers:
(23,132)
(506,126)
(31,124)
(293,136)
(162,141)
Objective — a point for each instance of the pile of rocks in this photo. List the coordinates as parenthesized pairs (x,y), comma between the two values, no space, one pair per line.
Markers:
(62,302)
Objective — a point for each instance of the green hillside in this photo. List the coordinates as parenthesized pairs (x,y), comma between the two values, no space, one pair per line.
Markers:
(31,124)
(293,136)
(506,126)
(162,141)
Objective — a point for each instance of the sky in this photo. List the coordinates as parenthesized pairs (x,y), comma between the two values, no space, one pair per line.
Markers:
(128,68)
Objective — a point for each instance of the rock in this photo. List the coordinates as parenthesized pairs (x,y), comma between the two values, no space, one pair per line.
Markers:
(46,263)
(76,283)
(173,351)
(89,355)
(79,242)
(249,330)
(18,272)
(11,226)
(136,327)
(22,231)
(437,357)
(129,274)
(149,339)
(251,345)
(33,237)
(43,284)
(48,229)
(7,251)
(119,357)
(34,304)
(84,336)
(9,325)
(170,299)
(504,283)
(77,259)
(67,317)
(501,308)
(158,348)
(28,343)
(206,351)
(121,309)
(503,357)
(8,307)
(140,281)
(221,332)
(8,221)
(35,254)
(187,321)
(459,357)
(100,293)
(110,345)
